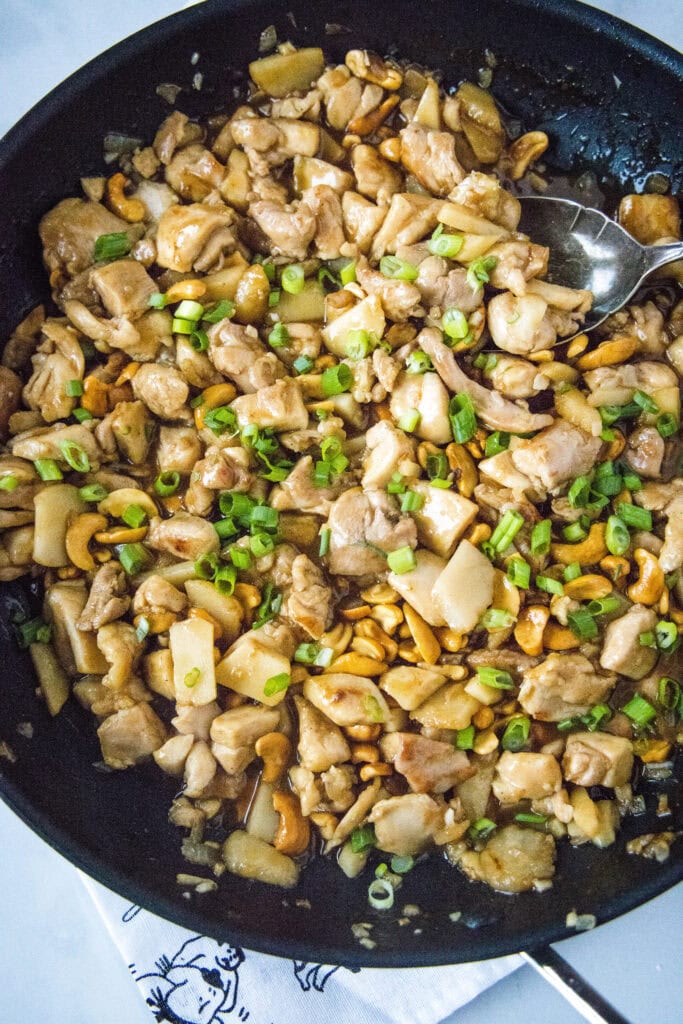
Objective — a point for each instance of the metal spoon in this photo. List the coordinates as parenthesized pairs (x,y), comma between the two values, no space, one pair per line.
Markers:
(588,250)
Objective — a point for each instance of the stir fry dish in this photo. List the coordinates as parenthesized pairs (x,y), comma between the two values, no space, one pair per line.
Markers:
(337,514)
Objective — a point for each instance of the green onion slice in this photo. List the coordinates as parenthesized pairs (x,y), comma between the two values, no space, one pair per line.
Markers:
(133,558)
(462,418)
(293,279)
(497,678)
(336,379)
(633,515)
(639,710)
(402,560)
(75,455)
(399,270)
(516,735)
(47,469)
(167,483)
(111,247)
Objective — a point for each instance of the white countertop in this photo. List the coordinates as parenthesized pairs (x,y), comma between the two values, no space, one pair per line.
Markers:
(57,962)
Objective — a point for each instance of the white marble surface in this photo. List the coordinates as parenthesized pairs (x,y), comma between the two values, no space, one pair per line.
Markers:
(57,963)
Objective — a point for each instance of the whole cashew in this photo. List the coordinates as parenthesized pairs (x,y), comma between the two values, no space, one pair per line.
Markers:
(78,536)
(463,466)
(650,584)
(529,629)
(276,752)
(588,587)
(610,353)
(293,832)
(588,552)
(132,210)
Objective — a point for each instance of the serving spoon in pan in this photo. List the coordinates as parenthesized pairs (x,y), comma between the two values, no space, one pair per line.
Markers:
(589,250)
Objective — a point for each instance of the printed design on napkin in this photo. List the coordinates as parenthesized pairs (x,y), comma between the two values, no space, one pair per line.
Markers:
(197,985)
(314,976)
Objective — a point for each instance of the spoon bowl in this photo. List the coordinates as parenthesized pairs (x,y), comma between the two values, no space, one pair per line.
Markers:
(589,250)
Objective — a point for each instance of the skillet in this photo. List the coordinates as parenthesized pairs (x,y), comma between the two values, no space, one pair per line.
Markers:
(556,71)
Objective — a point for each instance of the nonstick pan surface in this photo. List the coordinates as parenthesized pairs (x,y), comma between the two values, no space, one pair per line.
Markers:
(610,99)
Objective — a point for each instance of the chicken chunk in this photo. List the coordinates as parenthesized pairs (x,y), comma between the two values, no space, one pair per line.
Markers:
(183,535)
(409,218)
(131,428)
(176,130)
(426,394)
(597,759)
(290,228)
(299,493)
(671,555)
(157,595)
(442,288)
(242,726)
(376,178)
(108,598)
(193,172)
(321,742)
(484,194)
(622,651)
(194,237)
(526,776)
(280,406)
(429,766)
(644,452)
(520,324)
(162,389)
(10,398)
(389,449)
(400,299)
(124,287)
(430,156)
(405,825)
(45,443)
(387,369)
(517,263)
(558,454)
(325,205)
(517,378)
(224,469)
(270,142)
(121,648)
(308,599)
(362,219)
(240,355)
(615,385)
(69,232)
(563,686)
(131,736)
(515,859)
(360,523)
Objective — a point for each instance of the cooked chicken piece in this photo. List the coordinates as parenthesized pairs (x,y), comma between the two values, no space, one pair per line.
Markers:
(390,451)
(124,287)
(338,783)
(562,686)
(515,859)
(298,491)
(195,720)
(69,232)
(177,130)
(425,393)
(656,497)
(183,535)
(194,172)
(108,598)
(429,766)
(362,219)
(200,769)
(517,378)
(644,452)
(430,156)
(270,142)
(409,218)
(325,205)
(526,776)
(615,385)
(279,406)
(520,325)
(242,726)
(644,322)
(121,648)
(46,390)
(307,600)
(509,661)
(416,587)
(156,198)
(622,651)
(156,595)
(442,288)
(347,96)
(597,759)
(517,262)
(559,453)
(290,228)
(321,742)
(131,429)
(306,106)
(387,369)
(485,195)
(360,523)
(233,760)
(671,554)
(494,410)
(400,299)
(130,736)
(194,237)
(10,398)
(376,178)
(44,443)
(304,340)
(196,367)
(163,391)
(405,825)
(240,355)
(224,469)
(22,342)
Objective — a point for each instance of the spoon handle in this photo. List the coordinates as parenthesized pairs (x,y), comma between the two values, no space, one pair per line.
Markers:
(659,255)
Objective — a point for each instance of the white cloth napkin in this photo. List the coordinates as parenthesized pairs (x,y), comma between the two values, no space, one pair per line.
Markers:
(190,979)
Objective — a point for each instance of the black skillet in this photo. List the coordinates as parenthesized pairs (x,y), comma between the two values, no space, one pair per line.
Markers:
(610,99)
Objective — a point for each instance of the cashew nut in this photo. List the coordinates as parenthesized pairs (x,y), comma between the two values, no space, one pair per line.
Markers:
(616,446)
(364,753)
(483,718)
(373,631)
(248,595)
(390,149)
(357,665)
(325,823)
(379,593)
(363,733)
(425,640)
(588,552)
(616,567)
(201,613)
(132,210)
(451,640)
(157,621)
(95,396)
(462,464)
(610,353)
(530,627)
(369,123)
(650,584)
(559,638)
(577,346)
(389,617)
(369,66)
(375,771)
(191,288)
(212,398)
(360,611)
(368,648)
(293,832)
(276,752)
(588,588)
(121,535)
(338,638)
(479,532)
(78,536)
(116,503)
(410,653)
(524,151)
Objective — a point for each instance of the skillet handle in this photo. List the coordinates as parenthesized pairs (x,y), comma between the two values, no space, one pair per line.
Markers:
(582,996)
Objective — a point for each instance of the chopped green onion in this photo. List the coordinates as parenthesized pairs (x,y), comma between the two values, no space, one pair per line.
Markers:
(497,442)
(454,324)
(303,364)
(261,544)
(347,274)
(189,310)
(81,414)
(142,629)
(73,388)
(226,528)
(418,362)
(607,482)
(540,538)
(199,340)
(225,579)
(639,710)
(399,270)
(497,678)
(516,735)
(633,515)
(192,677)
(607,434)
(274,297)
(550,585)
(402,560)
(327,279)
(486,361)
(197,401)
(667,424)
(519,572)
(565,724)
(47,469)
(325,535)
(372,708)
(133,558)
(75,455)
(617,537)
(647,639)
(464,738)
(645,402)
(223,309)
(442,484)
(669,693)
(167,483)
(221,420)
(402,865)
(206,565)
(240,557)
(462,418)
(306,654)
(134,516)
(271,603)
(596,716)
(381,894)
(34,631)
(666,635)
(632,482)
(579,492)
(479,270)
(111,247)
(572,572)
(363,838)
(603,605)
(396,485)
(264,517)
(575,532)
(481,829)
(293,279)
(279,336)
(531,819)
(507,529)
(409,420)
(437,466)
(582,624)
(496,618)
(92,492)
(179,326)
(444,245)
(267,264)
(336,379)
(275,471)
(411,502)
(357,344)
(157,300)
(8,482)
(324,657)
